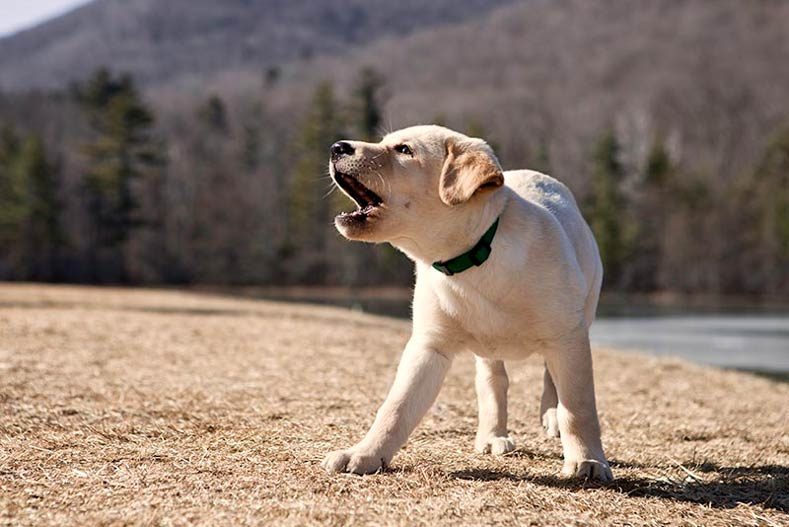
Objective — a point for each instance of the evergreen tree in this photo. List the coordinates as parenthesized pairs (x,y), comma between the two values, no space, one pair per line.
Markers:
(654,206)
(658,166)
(122,152)
(29,210)
(213,114)
(43,233)
(13,206)
(271,76)
(250,147)
(251,141)
(309,214)
(606,208)
(213,231)
(768,201)
(366,106)
(358,260)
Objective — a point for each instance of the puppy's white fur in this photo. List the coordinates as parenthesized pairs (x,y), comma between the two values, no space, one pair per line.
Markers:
(536,293)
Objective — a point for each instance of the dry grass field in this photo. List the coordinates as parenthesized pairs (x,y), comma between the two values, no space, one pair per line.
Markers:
(131,407)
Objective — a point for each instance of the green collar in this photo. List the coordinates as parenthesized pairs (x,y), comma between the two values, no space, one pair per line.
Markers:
(474,256)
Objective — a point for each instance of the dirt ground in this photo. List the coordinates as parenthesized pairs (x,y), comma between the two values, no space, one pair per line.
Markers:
(132,407)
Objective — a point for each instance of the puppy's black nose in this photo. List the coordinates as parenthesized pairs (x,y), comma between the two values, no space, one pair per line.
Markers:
(341,148)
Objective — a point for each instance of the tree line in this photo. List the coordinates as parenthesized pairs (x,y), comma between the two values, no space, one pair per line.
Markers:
(122,191)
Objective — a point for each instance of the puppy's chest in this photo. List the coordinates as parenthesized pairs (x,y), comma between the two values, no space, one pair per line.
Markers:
(501,329)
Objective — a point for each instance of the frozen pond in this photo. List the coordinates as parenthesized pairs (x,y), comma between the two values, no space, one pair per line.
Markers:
(754,342)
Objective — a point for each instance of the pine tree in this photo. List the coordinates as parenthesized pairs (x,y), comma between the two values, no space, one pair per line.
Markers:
(213,234)
(606,207)
(366,106)
(360,262)
(122,152)
(43,233)
(13,206)
(29,209)
(250,147)
(213,114)
(654,206)
(768,203)
(308,212)
(658,166)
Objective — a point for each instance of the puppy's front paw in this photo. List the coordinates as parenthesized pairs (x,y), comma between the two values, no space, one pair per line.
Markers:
(355,461)
(590,469)
(550,423)
(496,445)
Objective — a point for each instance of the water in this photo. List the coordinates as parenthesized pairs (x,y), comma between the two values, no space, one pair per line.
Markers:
(748,338)
(751,342)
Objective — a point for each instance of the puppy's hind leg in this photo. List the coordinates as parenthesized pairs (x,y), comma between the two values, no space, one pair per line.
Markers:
(571,369)
(492,384)
(548,405)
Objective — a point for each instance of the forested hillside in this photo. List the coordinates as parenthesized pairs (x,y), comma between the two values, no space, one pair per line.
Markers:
(161,41)
(668,119)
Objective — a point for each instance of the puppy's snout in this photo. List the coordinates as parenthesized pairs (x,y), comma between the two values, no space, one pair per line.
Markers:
(341,149)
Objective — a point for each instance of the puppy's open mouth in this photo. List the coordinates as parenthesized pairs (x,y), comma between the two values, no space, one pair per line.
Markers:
(366,200)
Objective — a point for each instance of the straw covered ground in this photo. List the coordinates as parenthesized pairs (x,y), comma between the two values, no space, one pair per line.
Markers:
(131,407)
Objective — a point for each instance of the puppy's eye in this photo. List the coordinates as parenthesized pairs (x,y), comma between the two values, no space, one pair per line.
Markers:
(404,149)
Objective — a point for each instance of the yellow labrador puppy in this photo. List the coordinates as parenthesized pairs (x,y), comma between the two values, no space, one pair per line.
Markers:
(505,267)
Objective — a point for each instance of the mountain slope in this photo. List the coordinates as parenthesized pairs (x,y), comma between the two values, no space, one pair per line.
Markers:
(158,40)
(708,76)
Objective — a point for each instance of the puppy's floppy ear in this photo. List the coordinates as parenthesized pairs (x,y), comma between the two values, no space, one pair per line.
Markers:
(470,166)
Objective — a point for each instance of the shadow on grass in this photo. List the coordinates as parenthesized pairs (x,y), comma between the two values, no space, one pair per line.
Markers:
(766,485)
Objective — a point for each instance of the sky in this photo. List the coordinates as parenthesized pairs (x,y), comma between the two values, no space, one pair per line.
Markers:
(16,15)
